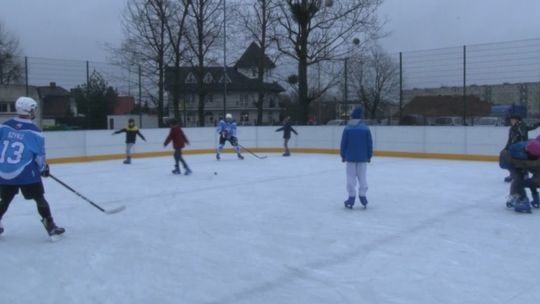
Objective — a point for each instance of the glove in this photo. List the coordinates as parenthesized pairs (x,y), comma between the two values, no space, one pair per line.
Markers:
(46,171)
(224,134)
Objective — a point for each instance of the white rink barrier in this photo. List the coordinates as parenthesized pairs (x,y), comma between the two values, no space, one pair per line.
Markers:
(475,143)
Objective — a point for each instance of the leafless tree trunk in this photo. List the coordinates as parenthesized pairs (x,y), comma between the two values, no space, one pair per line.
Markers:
(375,78)
(176,31)
(204,29)
(259,22)
(315,31)
(146,42)
(11,68)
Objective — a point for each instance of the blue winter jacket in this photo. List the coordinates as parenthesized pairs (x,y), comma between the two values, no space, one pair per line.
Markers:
(356,142)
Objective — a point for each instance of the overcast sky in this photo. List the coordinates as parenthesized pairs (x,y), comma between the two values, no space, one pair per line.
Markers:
(79,29)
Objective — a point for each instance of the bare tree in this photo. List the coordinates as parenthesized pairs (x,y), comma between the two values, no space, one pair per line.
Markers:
(176,31)
(11,68)
(205,27)
(259,22)
(146,43)
(314,31)
(375,78)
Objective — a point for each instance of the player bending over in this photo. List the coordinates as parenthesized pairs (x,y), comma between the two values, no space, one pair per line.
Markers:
(227,132)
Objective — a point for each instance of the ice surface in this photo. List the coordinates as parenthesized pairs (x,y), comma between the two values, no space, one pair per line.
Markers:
(273,231)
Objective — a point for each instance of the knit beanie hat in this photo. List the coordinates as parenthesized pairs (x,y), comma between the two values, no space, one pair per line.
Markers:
(357,113)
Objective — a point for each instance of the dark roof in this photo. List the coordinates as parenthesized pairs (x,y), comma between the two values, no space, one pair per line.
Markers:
(52,90)
(446,105)
(250,58)
(238,81)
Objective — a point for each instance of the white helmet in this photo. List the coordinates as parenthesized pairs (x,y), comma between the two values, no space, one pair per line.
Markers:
(26,106)
(228,116)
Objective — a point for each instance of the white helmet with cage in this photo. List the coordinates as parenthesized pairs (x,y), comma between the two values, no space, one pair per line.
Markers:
(26,106)
(228,116)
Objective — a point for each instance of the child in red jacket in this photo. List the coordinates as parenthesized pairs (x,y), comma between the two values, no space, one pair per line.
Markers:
(179,139)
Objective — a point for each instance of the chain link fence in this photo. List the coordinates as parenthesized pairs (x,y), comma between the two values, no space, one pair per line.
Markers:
(449,86)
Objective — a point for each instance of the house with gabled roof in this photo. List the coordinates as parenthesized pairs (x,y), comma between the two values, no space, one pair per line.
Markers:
(57,102)
(8,96)
(241,89)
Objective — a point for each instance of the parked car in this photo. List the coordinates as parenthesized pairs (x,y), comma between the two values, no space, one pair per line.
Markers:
(412,120)
(447,121)
(336,122)
(489,121)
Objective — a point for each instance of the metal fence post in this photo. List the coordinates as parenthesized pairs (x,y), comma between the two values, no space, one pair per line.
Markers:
(400,86)
(140,97)
(88,106)
(26,85)
(464,85)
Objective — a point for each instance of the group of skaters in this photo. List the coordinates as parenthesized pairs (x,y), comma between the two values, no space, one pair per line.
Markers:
(226,129)
(23,162)
(521,157)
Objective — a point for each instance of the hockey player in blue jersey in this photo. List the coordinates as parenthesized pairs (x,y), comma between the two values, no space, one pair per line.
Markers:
(356,150)
(22,163)
(227,132)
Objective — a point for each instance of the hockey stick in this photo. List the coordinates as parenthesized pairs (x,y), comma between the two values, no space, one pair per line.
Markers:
(111,211)
(257,156)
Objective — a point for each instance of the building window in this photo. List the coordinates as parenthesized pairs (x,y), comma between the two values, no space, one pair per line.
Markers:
(244,100)
(208,78)
(228,79)
(272,103)
(7,107)
(191,78)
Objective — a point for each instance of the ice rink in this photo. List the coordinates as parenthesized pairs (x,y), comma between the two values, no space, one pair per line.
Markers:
(273,231)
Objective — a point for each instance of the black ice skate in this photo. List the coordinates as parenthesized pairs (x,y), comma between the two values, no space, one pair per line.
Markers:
(363,201)
(188,171)
(240,156)
(349,203)
(54,231)
(1,228)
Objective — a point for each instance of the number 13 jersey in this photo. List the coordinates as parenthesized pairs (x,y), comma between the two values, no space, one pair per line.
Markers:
(22,152)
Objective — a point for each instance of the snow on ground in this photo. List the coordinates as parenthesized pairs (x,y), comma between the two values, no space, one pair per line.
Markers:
(273,231)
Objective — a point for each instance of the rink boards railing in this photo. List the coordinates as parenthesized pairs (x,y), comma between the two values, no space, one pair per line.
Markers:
(462,143)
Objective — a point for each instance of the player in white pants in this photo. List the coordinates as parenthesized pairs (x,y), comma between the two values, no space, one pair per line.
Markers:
(356,150)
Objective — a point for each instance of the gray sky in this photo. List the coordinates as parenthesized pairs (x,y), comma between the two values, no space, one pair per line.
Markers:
(78,29)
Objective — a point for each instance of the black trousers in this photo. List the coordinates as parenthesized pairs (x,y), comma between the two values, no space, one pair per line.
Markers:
(30,192)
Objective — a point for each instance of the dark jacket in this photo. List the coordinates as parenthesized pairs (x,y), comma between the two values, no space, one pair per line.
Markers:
(519,132)
(287,129)
(533,166)
(131,134)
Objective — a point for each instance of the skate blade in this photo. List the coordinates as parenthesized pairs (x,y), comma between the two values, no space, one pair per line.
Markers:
(56,237)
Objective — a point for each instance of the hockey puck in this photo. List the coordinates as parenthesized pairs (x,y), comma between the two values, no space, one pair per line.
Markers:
(215,173)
